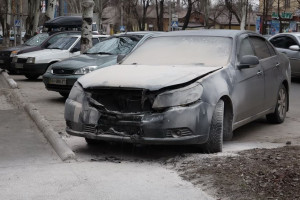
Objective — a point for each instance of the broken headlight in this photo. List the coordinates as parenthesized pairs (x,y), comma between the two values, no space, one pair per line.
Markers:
(85,70)
(77,93)
(179,97)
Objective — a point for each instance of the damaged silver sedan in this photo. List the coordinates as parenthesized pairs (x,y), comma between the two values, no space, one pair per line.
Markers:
(183,87)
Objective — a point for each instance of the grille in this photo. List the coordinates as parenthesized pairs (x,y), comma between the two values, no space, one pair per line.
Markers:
(178,132)
(121,129)
(125,101)
(63,71)
(22,60)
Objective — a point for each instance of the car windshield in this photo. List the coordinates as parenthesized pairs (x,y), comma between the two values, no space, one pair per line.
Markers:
(37,39)
(63,43)
(115,45)
(183,50)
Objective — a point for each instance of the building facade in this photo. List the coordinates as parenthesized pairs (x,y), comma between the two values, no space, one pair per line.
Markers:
(277,16)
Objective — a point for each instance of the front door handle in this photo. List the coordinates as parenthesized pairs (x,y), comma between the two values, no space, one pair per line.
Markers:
(277,64)
(259,73)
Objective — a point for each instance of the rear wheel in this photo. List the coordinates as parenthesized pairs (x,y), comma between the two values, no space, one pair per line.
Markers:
(31,76)
(215,139)
(281,107)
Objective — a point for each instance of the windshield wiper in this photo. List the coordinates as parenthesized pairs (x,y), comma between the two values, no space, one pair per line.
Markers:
(54,48)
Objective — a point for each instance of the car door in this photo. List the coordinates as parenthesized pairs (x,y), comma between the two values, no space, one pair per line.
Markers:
(282,44)
(248,94)
(270,64)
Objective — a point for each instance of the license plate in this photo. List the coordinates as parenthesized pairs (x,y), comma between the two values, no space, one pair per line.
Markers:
(58,81)
(1,61)
(19,65)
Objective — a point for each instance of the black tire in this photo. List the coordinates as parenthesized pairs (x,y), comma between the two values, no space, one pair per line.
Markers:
(32,76)
(214,143)
(64,94)
(93,142)
(281,107)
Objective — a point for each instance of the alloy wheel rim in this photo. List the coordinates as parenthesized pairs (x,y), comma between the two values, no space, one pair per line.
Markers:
(281,103)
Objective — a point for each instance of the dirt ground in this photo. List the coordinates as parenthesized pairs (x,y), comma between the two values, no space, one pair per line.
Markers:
(251,174)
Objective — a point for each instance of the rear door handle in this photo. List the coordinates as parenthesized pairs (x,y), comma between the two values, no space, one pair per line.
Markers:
(259,73)
(277,64)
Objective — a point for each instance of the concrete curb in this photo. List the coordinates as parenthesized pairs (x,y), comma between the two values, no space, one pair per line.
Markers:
(58,144)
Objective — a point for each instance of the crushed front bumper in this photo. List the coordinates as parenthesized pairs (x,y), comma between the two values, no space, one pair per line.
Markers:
(176,125)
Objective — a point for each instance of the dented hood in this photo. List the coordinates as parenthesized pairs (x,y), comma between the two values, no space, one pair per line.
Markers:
(152,77)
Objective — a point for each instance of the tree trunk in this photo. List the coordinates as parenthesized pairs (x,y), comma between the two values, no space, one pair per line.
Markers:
(37,10)
(86,32)
(161,16)
(243,21)
(7,21)
(206,14)
(188,15)
(51,9)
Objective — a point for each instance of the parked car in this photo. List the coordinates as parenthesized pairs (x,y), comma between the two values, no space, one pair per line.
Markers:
(34,64)
(289,44)
(61,76)
(1,39)
(182,87)
(36,43)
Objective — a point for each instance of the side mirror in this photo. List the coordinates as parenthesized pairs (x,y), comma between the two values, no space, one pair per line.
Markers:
(294,48)
(247,61)
(120,57)
(74,50)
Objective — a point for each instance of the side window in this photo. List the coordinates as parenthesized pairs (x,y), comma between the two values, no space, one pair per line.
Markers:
(95,41)
(245,48)
(290,42)
(260,47)
(278,42)
(77,45)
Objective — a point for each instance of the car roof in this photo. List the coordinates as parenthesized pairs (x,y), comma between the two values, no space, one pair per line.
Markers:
(292,33)
(139,33)
(209,32)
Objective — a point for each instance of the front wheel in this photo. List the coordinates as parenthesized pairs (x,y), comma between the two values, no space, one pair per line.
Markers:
(215,139)
(281,107)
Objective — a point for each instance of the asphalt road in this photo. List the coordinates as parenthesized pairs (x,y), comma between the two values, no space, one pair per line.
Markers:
(254,135)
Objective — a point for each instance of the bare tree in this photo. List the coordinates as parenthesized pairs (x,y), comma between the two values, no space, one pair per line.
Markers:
(34,7)
(143,5)
(159,5)
(6,20)
(50,9)
(86,32)
(99,7)
(188,14)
